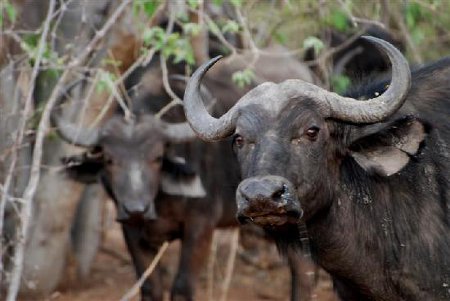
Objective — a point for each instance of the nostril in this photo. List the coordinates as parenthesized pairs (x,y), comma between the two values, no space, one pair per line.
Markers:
(243,220)
(278,194)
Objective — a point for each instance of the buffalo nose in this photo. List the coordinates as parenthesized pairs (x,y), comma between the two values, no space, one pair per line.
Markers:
(267,200)
(260,190)
(135,208)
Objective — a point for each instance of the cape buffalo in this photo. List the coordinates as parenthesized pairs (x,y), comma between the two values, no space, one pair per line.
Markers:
(165,188)
(368,172)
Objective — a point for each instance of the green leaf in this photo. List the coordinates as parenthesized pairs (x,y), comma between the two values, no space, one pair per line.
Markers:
(338,19)
(280,37)
(213,27)
(340,83)
(237,3)
(217,2)
(243,78)
(154,36)
(417,35)
(106,81)
(146,6)
(111,62)
(413,13)
(10,11)
(192,29)
(314,43)
(230,26)
(193,3)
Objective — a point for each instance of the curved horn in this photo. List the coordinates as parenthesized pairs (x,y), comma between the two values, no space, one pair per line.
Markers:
(357,111)
(381,107)
(72,133)
(207,127)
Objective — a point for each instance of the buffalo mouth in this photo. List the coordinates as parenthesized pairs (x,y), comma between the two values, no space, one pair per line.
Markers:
(271,219)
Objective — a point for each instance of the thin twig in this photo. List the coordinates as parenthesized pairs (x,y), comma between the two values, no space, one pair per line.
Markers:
(210,268)
(246,31)
(369,22)
(220,36)
(175,99)
(16,147)
(135,289)
(230,264)
(120,84)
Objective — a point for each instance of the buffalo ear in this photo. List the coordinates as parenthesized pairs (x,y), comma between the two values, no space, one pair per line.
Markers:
(178,178)
(84,168)
(386,148)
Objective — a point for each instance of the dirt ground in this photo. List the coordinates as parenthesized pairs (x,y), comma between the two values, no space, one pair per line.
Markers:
(112,275)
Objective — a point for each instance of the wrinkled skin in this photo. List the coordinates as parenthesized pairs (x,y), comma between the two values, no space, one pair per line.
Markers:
(375,197)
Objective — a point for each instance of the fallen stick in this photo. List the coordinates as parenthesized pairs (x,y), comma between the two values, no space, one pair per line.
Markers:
(230,264)
(135,289)
(210,268)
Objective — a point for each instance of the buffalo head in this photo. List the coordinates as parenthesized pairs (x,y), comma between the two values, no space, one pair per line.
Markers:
(292,138)
(132,161)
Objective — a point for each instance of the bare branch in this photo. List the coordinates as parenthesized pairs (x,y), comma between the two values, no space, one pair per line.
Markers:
(199,41)
(135,289)
(234,243)
(210,267)
(246,31)
(14,150)
(220,36)
(175,99)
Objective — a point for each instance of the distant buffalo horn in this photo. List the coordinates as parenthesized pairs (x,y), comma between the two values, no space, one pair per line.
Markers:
(331,104)
(73,133)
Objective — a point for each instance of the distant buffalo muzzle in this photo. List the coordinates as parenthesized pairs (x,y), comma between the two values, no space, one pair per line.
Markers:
(267,200)
(136,211)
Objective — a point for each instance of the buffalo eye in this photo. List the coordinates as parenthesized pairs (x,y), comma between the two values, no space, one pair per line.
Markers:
(312,132)
(238,141)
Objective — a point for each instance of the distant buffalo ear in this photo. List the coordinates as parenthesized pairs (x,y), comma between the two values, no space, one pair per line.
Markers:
(84,168)
(385,148)
(179,178)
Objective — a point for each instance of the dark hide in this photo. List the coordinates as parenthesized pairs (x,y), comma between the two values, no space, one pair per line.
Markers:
(375,197)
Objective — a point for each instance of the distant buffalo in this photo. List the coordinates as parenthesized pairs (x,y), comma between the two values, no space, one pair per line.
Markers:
(369,174)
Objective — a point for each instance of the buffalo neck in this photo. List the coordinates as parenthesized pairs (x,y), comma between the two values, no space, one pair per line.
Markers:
(379,235)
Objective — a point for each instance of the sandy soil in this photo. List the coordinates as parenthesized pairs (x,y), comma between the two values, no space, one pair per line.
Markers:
(112,275)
